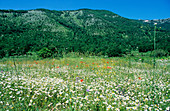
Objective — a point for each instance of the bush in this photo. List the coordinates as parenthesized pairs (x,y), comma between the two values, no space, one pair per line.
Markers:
(114,52)
(159,53)
(32,55)
(45,52)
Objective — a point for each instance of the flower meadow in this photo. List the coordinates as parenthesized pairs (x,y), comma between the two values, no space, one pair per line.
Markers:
(82,84)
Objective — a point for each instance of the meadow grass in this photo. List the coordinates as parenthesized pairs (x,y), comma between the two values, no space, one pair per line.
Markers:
(88,83)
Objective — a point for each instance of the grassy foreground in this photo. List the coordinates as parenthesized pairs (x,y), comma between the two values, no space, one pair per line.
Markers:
(84,84)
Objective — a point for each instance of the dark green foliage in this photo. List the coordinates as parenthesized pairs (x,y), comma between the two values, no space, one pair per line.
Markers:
(115,51)
(53,33)
(159,53)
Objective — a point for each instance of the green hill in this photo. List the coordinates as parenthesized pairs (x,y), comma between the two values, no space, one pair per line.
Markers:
(99,32)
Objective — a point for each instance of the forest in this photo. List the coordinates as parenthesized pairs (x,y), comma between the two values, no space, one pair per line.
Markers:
(98,32)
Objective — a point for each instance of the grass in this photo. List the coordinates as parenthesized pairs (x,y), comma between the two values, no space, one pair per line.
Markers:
(88,83)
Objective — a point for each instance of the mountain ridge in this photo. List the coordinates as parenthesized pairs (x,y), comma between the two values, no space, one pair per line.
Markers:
(13,10)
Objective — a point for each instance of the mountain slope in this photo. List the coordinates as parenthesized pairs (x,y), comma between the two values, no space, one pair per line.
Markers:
(100,32)
(161,23)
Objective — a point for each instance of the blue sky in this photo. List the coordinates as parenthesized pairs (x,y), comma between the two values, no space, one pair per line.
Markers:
(133,9)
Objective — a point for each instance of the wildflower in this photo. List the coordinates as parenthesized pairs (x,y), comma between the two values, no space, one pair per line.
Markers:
(124,103)
(146,99)
(77,66)
(36,62)
(108,108)
(160,108)
(87,90)
(67,101)
(57,66)
(139,78)
(67,64)
(107,62)
(167,108)
(19,98)
(81,80)
(50,104)
(86,98)
(58,104)
(137,101)
(155,23)
(93,63)
(97,99)
(129,108)
(81,105)
(7,103)
(117,109)
(52,63)
(105,103)
(109,67)
(77,79)
(135,108)
(81,61)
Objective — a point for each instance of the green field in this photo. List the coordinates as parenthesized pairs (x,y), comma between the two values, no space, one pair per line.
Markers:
(84,83)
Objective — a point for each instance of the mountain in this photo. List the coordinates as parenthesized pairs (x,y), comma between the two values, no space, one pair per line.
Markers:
(100,32)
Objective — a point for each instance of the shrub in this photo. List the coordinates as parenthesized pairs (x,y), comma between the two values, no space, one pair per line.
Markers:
(159,53)
(45,52)
(116,51)
(32,55)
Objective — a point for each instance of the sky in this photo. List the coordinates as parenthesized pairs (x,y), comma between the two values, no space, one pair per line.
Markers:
(132,9)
